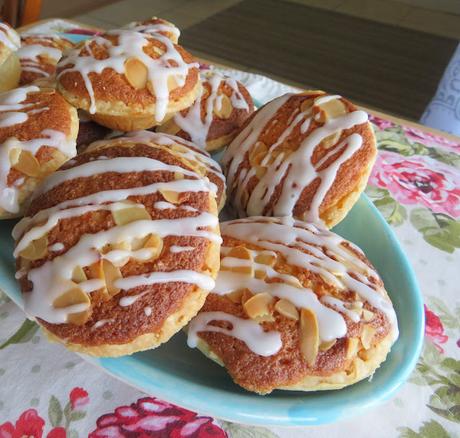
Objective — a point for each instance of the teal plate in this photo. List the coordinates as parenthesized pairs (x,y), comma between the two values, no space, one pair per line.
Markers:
(184,376)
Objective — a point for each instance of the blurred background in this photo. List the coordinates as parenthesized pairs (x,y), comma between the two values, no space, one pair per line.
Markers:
(385,54)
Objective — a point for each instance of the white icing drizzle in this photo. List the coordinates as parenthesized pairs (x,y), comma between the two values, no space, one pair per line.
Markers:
(33,51)
(177,249)
(250,332)
(101,323)
(147,311)
(295,171)
(193,123)
(340,305)
(154,28)
(56,247)
(9,37)
(130,45)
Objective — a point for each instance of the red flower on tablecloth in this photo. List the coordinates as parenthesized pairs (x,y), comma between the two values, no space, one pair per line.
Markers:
(29,424)
(57,432)
(78,398)
(380,123)
(418,180)
(429,139)
(434,330)
(150,417)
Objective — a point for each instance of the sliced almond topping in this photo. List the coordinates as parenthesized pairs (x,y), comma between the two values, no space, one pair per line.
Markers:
(367,335)
(154,242)
(266,259)
(324,346)
(172,83)
(136,73)
(240,252)
(70,298)
(27,164)
(235,296)
(78,274)
(260,171)
(352,347)
(248,270)
(329,110)
(111,274)
(79,318)
(309,336)
(247,295)
(36,249)
(178,175)
(258,305)
(260,274)
(287,309)
(13,155)
(306,105)
(367,315)
(133,213)
(264,318)
(258,153)
(225,109)
(170,196)
(96,270)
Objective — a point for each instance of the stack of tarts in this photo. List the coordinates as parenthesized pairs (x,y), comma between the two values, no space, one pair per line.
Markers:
(120,245)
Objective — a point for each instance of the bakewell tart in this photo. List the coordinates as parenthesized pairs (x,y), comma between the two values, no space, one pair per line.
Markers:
(10,69)
(308,155)
(39,55)
(38,129)
(216,116)
(186,151)
(128,80)
(119,249)
(295,307)
(154,26)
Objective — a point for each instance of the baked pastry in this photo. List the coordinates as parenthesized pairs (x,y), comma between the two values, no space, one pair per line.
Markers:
(9,62)
(38,129)
(216,116)
(39,55)
(295,307)
(119,249)
(308,155)
(128,80)
(187,151)
(89,132)
(154,26)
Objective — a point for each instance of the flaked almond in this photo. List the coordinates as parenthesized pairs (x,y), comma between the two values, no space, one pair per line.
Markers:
(136,73)
(368,315)
(260,274)
(328,110)
(225,109)
(306,105)
(172,83)
(309,336)
(293,281)
(240,252)
(111,274)
(170,196)
(352,347)
(78,274)
(178,176)
(258,305)
(247,295)
(257,153)
(264,318)
(248,270)
(324,346)
(27,164)
(130,214)
(36,249)
(96,271)
(155,243)
(266,258)
(286,308)
(79,318)
(235,296)
(260,171)
(367,335)
(13,155)
(70,298)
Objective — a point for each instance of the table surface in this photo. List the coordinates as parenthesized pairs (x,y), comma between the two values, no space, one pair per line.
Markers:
(415,183)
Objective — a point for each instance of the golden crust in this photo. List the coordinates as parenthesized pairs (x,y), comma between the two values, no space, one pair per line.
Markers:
(129,329)
(349,181)
(226,120)
(114,96)
(49,112)
(346,362)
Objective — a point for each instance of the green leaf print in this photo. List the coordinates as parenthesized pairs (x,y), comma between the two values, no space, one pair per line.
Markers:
(439,230)
(393,212)
(450,317)
(235,430)
(55,411)
(77,415)
(23,334)
(429,429)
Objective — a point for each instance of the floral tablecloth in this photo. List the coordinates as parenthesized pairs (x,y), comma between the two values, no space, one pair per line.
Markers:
(46,391)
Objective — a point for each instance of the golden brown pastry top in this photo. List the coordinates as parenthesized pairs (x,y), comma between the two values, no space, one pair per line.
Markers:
(220,110)
(154,26)
(35,125)
(9,41)
(114,242)
(300,154)
(39,55)
(128,68)
(291,300)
